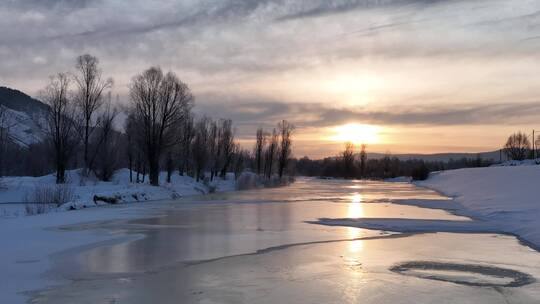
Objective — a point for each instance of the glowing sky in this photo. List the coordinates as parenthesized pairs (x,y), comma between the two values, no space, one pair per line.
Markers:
(427,75)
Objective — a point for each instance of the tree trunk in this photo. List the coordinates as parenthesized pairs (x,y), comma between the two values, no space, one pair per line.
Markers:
(86,160)
(60,171)
(154,172)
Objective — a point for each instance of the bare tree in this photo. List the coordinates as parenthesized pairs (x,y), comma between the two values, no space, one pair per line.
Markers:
(89,98)
(200,151)
(285,129)
(186,138)
(517,146)
(348,160)
(105,143)
(240,157)
(270,154)
(226,145)
(169,165)
(363,161)
(131,134)
(260,144)
(213,148)
(160,102)
(134,145)
(60,123)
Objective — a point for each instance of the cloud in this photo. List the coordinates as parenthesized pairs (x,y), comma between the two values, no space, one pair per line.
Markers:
(454,50)
(338,7)
(250,114)
(50,4)
(457,114)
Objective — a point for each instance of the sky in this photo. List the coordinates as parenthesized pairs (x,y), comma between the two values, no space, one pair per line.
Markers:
(403,76)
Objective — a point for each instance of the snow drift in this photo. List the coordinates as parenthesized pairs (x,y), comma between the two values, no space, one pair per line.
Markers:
(506,197)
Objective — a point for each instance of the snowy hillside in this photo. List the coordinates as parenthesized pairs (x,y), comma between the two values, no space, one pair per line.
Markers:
(506,197)
(22,117)
(22,129)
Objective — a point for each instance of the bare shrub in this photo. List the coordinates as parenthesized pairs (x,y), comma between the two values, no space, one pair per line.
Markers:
(35,209)
(51,194)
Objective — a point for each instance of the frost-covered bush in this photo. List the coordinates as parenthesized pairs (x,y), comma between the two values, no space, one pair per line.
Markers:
(51,194)
(247,180)
(34,209)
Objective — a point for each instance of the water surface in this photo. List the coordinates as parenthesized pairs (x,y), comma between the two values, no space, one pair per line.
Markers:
(256,247)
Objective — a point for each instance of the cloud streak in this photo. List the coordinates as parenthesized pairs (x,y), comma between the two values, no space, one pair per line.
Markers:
(318,63)
(327,8)
(251,114)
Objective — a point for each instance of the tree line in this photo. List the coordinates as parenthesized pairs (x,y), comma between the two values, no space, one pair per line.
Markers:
(159,132)
(356,165)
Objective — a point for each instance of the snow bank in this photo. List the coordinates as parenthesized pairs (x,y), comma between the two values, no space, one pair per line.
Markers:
(525,162)
(89,192)
(508,197)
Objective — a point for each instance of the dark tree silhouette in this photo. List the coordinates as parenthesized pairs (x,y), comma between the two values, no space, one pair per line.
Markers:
(260,144)
(226,146)
(199,146)
(88,98)
(348,160)
(106,143)
(285,129)
(517,146)
(270,154)
(60,123)
(159,103)
(187,132)
(363,161)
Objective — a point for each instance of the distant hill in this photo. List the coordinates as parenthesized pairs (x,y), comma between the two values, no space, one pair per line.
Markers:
(19,101)
(22,113)
(444,157)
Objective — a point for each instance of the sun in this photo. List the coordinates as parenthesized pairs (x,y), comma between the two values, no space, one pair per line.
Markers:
(356,133)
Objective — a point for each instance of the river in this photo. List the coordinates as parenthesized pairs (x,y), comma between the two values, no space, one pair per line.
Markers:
(258,247)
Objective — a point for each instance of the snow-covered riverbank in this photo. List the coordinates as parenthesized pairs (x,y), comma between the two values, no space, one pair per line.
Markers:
(85,193)
(503,199)
(506,197)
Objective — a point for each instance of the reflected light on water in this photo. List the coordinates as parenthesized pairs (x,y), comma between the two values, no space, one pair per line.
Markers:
(355,210)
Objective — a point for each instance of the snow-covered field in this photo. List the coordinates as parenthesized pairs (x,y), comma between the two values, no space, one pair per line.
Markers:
(507,197)
(16,190)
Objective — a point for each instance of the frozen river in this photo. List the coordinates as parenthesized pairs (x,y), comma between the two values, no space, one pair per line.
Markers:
(257,247)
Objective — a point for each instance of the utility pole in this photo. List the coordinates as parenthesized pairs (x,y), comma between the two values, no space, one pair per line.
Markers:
(534,146)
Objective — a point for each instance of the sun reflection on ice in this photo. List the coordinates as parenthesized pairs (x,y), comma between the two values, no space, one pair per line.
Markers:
(355,210)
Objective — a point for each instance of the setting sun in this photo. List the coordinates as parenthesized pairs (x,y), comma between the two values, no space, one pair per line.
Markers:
(356,133)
